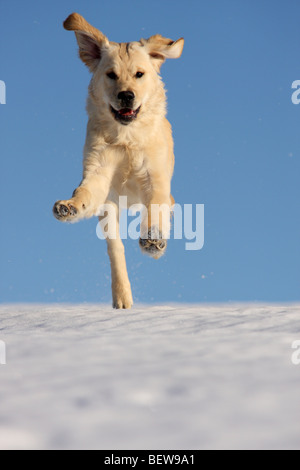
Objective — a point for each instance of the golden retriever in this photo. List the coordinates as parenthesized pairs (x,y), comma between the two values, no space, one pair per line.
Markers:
(129,146)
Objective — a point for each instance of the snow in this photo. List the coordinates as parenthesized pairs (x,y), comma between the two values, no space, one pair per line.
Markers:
(155,377)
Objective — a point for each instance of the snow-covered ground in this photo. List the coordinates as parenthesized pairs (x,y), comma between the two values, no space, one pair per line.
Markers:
(155,377)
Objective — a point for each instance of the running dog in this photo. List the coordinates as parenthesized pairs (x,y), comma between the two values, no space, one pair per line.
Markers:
(129,145)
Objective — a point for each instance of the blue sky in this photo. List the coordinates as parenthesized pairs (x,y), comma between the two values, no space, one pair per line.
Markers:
(237,149)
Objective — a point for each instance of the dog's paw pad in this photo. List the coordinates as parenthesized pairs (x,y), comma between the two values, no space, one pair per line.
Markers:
(64,211)
(72,210)
(154,247)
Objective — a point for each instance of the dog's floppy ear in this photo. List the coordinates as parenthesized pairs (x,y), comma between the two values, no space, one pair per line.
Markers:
(160,48)
(90,40)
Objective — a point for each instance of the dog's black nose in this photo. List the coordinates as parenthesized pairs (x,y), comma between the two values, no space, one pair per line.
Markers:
(126,97)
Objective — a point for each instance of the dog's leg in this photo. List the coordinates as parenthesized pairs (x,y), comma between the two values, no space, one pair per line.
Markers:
(121,289)
(86,199)
(155,228)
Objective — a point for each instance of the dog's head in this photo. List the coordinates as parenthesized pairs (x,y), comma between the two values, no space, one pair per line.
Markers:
(125,75)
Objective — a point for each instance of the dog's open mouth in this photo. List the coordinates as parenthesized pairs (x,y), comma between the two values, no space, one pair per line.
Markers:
(125,115)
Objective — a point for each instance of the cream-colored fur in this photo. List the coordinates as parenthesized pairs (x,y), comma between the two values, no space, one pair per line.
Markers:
(134,160)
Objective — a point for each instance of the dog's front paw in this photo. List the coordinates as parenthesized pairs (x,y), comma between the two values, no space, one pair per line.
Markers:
(65,211)
(153,244)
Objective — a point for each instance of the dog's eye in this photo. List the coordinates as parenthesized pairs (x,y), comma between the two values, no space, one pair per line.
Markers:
(139,74)
(112,75)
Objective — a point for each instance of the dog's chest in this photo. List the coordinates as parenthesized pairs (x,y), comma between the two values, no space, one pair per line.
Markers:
(134,162)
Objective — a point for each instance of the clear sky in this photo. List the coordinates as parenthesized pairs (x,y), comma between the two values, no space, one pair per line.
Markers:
(237,150)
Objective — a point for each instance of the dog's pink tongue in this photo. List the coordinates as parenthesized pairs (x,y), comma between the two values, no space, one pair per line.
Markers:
(126,112)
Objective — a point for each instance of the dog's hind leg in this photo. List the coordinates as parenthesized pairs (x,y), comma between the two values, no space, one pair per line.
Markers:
(121,289)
